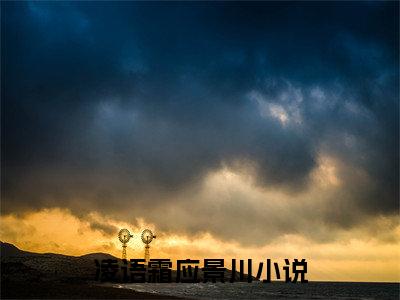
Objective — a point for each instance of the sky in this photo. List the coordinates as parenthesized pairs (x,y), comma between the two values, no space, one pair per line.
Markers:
(236,130)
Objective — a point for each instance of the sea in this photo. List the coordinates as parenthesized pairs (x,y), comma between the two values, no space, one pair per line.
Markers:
(274,290)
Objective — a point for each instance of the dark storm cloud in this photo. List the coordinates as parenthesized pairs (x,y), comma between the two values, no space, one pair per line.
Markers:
(113,107)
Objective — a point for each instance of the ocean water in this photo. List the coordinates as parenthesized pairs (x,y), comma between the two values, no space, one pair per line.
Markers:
(275,290)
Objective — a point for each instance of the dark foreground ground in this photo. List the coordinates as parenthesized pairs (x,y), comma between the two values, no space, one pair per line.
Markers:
(51,290)
(26,275)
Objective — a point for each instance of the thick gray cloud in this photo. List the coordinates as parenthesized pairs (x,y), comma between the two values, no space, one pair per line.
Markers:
(126,109)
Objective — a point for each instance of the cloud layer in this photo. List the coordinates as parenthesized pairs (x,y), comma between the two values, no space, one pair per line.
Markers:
(203,118)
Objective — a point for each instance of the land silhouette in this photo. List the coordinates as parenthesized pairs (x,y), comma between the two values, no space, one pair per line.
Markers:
(34,275)
(27,275)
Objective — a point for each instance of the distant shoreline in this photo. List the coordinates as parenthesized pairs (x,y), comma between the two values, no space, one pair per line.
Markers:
(64,290)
